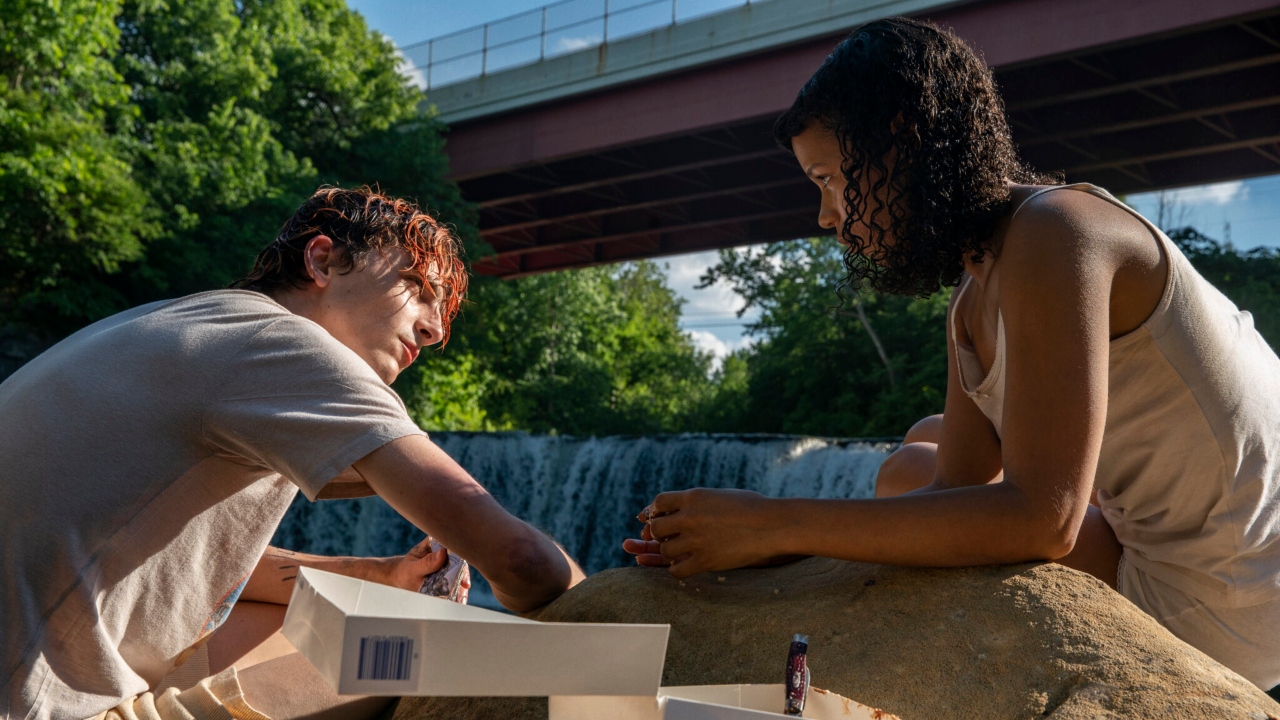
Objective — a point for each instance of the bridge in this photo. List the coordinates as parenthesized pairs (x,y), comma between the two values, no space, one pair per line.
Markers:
(660,144)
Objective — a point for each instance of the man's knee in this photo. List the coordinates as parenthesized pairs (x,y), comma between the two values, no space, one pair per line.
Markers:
(908,468)
(290,688)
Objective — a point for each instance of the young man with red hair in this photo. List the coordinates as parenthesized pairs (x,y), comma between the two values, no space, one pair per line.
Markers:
(150,456)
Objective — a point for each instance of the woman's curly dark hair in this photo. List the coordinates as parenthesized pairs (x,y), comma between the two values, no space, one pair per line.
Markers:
(906,89)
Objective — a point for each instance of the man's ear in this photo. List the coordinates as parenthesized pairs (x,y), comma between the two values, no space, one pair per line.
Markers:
(320,258)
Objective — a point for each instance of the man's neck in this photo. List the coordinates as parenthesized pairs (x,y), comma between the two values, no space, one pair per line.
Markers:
(295,301)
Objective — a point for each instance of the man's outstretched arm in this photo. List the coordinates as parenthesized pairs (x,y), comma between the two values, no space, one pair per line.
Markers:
(273,578)
(525,568)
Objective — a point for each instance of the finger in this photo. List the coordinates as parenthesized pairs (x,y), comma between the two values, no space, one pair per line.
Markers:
(667,502)
(432,562)
(421,550)
(652,560)
(641,547)
(464,584)
(666,526)
(646,533)
(676,547)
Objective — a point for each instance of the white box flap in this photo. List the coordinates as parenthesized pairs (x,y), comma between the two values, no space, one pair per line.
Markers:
(371,639)
(710,702)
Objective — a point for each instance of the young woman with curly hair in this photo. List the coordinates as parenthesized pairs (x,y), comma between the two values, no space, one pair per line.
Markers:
(1106,407)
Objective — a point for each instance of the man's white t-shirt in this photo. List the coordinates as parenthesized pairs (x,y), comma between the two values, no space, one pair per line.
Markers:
(145,462)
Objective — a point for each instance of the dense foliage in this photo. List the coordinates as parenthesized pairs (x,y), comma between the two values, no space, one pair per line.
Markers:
(72,211)
(869,365)
(599,351)
(149,148)
(588,352)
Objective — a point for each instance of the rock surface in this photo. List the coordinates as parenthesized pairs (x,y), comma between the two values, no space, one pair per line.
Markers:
(995,642)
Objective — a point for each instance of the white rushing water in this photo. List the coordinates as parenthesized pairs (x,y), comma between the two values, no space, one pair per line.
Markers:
(585,492)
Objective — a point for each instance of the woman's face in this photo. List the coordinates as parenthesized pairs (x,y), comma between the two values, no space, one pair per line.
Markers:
(818,152)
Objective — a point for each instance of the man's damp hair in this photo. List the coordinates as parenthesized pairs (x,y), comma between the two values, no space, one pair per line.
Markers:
(907,90)
(359,222)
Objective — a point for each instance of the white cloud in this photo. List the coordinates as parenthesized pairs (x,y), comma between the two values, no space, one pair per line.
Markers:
(707,342)
(406,67)
(569,44)
(718,347)
(710,314)
(1215,194)
(718,302)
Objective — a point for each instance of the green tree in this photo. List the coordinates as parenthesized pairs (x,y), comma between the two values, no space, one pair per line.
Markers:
(447,391)
(244,108)
(659,375)
(868,365)
(206,155)
(595,351)
(150,148)
(70,210)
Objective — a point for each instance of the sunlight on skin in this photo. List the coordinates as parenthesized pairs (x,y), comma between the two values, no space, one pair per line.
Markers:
(1040,509)
(385,312)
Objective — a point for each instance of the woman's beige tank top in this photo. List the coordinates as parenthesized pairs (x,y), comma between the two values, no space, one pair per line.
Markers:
(1189,471)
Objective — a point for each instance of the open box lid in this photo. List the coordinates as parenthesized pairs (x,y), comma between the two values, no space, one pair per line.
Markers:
(372,639)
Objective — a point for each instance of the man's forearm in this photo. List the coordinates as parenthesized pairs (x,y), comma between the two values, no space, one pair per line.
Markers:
(422,483)
(273,579)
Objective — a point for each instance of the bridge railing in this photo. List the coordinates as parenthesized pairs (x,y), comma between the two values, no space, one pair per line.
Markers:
(556,29)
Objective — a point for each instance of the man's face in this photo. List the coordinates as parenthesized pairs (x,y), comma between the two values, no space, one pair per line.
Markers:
(379,309)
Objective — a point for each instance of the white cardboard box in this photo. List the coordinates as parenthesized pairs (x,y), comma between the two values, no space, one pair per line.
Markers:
(371,639)
(710,702)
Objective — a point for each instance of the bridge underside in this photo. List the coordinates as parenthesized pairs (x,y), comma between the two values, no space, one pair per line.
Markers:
(1196,105)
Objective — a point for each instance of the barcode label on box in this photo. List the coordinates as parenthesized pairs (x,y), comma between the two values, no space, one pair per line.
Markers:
(385,658)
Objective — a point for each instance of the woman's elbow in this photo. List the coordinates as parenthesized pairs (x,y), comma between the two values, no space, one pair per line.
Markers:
(1054,542)
(1050,526)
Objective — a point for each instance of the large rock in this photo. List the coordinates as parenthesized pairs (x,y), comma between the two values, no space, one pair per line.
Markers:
(994,642)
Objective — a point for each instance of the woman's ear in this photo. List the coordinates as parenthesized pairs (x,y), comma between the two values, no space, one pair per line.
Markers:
(319,257)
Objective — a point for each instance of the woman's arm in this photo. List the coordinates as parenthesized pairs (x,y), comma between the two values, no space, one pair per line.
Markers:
(1055,300)
(969,448)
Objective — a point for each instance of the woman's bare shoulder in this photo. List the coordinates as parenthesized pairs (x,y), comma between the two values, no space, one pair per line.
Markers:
(1068,227)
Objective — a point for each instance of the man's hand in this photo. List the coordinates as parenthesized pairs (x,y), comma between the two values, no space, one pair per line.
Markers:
(409,571)
(273,579)
(703,530)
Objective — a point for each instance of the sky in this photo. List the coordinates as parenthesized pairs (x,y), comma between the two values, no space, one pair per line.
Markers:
(1245,212)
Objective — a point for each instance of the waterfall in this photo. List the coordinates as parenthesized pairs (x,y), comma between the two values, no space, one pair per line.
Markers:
(585,492)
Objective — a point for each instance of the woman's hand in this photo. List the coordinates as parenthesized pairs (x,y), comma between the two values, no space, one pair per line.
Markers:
(703,530)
